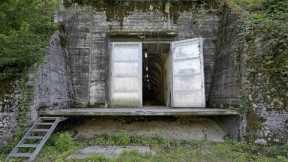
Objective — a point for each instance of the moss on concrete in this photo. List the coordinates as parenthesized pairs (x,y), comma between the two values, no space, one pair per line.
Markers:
(118,10)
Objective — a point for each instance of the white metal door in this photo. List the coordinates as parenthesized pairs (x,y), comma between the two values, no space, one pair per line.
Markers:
(126,74)
(188,89)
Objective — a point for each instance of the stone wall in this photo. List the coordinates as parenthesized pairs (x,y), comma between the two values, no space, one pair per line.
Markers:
(10,93)
(88,32)
(8,126)
(270,124)
(9,101)
(11,110)
(274,126)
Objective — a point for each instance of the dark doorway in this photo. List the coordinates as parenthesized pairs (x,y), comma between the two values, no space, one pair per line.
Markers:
(155,74)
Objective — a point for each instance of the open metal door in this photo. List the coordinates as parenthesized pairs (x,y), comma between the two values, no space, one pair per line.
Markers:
(126,74)
(188,88)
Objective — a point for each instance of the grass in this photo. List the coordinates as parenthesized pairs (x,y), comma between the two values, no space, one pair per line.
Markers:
(63,144)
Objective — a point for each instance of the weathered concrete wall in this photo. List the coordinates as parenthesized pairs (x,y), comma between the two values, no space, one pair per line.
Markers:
(88,32)
(225,91)
(53,89)
(183,128)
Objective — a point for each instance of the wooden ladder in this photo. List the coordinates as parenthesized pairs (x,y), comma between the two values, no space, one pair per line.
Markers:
(34,139)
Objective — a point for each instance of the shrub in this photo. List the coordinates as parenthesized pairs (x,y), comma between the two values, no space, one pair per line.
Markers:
(62,142)
(25,29)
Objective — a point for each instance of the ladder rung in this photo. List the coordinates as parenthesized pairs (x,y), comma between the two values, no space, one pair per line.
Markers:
(21,155)
(44,123)
(40,130)
(33,137)
(27,145)
(48,118)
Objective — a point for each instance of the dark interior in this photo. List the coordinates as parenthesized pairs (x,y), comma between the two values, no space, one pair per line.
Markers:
(155,70)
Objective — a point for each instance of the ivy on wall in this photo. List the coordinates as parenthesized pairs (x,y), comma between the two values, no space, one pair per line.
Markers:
(265,34)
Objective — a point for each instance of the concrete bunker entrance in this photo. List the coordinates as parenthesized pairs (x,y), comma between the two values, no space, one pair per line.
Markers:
(155,72)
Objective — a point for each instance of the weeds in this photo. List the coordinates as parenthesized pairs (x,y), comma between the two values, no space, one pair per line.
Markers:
(63,144)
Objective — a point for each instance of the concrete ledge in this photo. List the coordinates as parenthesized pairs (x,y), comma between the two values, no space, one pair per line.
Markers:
(157,111)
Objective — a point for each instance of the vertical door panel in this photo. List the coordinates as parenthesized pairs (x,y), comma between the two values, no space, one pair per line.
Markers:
(126,74)
(188,74)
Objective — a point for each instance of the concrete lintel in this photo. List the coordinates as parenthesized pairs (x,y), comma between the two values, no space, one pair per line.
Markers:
(139,112)
(168,33)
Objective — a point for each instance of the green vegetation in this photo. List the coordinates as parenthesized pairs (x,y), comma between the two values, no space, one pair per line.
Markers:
(25,28)
(270,26)
(266,36)
(166,150)
(63,144)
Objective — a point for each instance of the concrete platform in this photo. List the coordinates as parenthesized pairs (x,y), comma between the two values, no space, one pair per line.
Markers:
(145,111)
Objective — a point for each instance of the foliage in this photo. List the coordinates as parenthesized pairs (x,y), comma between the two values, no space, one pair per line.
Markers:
(122,138)
(244,105)
(59,146)
(25,28)
(267,49)
(62,144)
